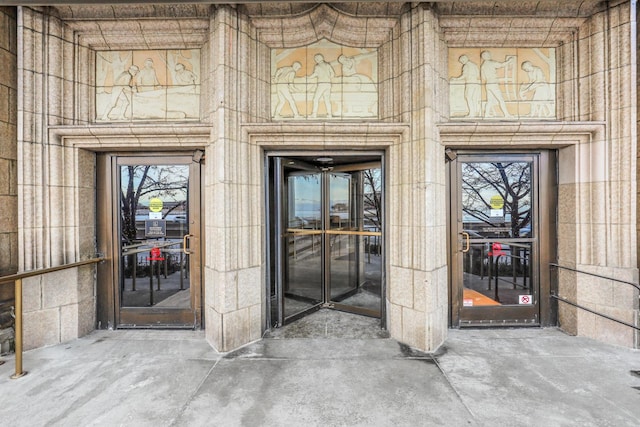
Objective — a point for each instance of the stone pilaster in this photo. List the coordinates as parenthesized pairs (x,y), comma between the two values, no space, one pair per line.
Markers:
(597,230)
(8,167)
(56,212)
(417,278)
(234,259)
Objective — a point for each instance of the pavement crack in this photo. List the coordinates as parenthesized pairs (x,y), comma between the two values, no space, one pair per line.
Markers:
(175,420)
(455,390)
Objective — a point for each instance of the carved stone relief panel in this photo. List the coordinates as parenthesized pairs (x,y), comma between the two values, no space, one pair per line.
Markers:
(147,85)
(502,83)
(324,80)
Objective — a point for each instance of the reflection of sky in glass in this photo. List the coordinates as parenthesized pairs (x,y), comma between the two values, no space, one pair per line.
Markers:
(306,192)
(339,189)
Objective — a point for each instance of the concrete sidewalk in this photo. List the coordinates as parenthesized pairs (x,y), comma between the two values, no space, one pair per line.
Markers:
(499,377)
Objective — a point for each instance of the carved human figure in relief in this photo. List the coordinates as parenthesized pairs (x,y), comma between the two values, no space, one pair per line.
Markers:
(348,65)
(284,81)
(538,90)
(323,72)
(489,72)
(123,88)
(183,76)
(359,92)
(147,78)
(470,76)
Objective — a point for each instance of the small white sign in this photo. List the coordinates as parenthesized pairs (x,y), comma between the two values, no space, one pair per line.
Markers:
(467,302)
(525,299)
(155,215)
(497,213)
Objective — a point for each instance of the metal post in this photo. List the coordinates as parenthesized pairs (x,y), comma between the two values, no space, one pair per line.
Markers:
(151,283)
(181,272)
(18,325)
(490,267)
(159,265)
(513,265)
(524,273)
(497,273)
(134,273)
(165,262)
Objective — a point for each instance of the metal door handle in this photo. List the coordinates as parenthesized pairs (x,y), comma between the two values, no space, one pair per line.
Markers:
(185,239)
(466,236)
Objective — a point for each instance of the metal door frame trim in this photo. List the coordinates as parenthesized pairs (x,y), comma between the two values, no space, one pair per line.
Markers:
(268,155)
(545,169)
(109,232)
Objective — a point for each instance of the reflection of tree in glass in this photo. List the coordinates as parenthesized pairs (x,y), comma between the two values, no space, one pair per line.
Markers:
(372,197)
(168,183)
(512,181)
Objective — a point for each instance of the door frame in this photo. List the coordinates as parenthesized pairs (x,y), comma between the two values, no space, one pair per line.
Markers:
(273,212)
(545,170)
(108,235)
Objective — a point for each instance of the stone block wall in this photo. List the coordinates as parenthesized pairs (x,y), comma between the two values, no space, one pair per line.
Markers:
(58,306)
(597,216)
(56,183)
(417,276)
(597,179)
(8,168)
(233,270)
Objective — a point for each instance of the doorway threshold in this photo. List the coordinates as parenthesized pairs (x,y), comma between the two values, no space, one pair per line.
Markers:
(328,323)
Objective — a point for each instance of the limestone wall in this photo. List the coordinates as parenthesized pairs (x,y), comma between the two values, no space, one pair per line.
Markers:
(56,184)
(593,130)
(8,167)
(597,216)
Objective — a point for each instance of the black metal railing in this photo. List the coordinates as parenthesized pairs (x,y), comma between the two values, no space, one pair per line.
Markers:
(590,310)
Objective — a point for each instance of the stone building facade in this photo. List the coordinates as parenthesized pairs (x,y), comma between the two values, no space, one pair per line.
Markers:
(424,88)
(8,166)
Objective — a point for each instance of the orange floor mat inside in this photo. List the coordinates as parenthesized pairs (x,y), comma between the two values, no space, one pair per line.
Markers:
(477,298)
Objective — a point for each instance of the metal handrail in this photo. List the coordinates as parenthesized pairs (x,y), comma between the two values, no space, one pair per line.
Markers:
(497,276)
(590,310)
(17,280)
(635,285)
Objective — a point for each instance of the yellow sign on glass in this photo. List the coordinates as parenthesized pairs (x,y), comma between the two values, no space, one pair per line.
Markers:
(497,202)
(155,205)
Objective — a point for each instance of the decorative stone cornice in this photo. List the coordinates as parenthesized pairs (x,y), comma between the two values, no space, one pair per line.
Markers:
(354,8)
(136,33)
(519,135)
(78,12)
(508,31)
(325,135)
(551,8)
(321,22)
(142,138)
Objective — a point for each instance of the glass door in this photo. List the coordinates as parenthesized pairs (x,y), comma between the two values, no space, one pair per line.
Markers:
(300,214)
(496,239)
(354,238)
(327,238)
(157,210)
